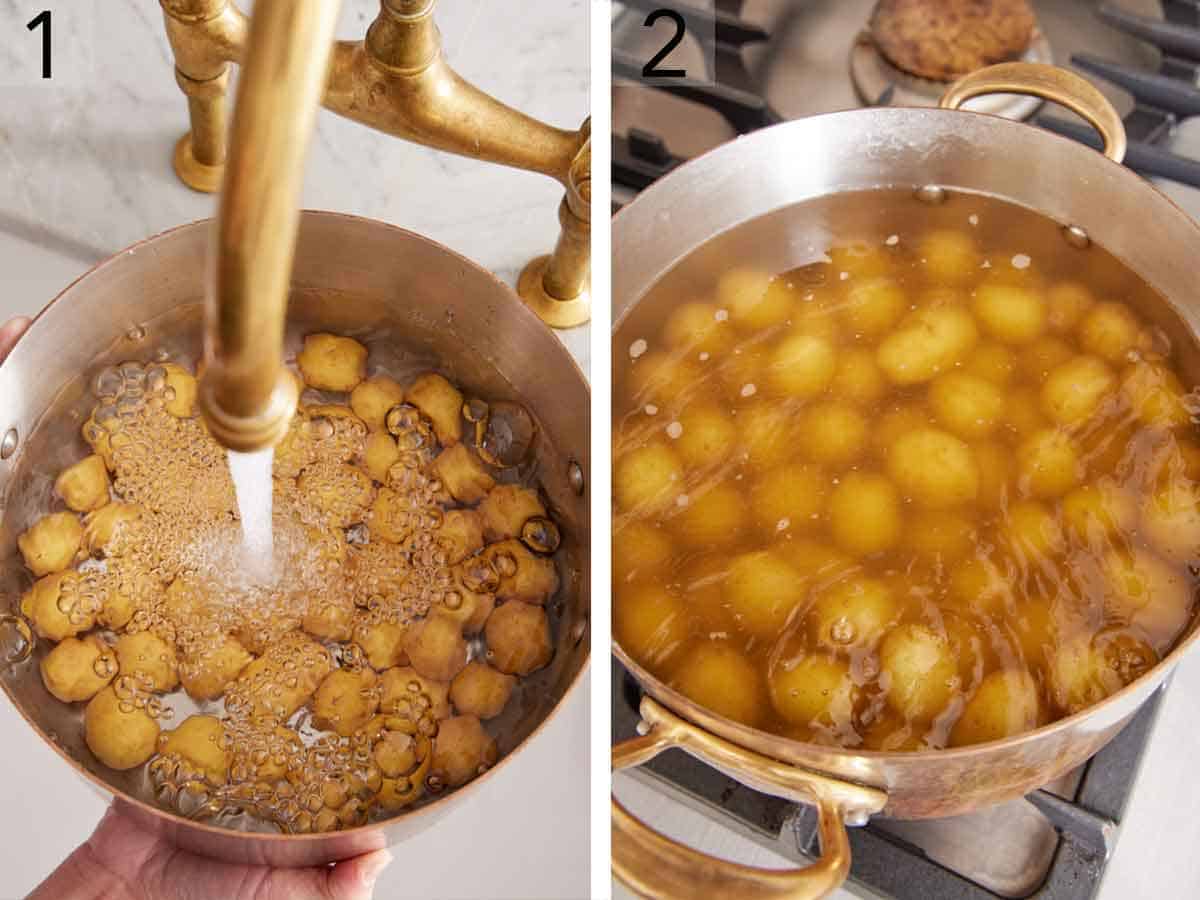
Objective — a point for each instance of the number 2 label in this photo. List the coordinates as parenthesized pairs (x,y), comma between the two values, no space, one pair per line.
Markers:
(651,70)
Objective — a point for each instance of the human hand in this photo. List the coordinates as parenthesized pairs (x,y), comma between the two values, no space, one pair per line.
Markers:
(10,331)
(120,861)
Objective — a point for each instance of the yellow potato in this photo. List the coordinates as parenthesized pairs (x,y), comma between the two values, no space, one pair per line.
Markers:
(461,751)
(995,472)
(43,606)
(1073,391)
(329,618)
(404,691)
(770,434)
(481,691)
(1066,304)
(651,624)
(743,373)
(864,514)
(84,486)
(763,591)
(332,363)
(920,669)
(662,378)
(390,518)
(346,700)
(895,422)
(206,673)
(647,478)
(1048,464)
(200,742)
(815,689)
(788,498)
(858,378)
(51,543)
(696,327)
(939,535)
(343,493)
(1109,331)
(1006,703)
(382,643)
(817,562)
(802,365)
(283,679)
(992,361)
(120,734)
(1171,520)
(949,257)
(712,518)
(852,613)
(873,306)
(76,670)
(639,549)
(1148,594)
(144,655)
(1098,513)
(436,648)
(1043,356)
(968,405)
(441,403)
(380,454)
(518,639)
(1081,675)
(108,529)
(182,386)
(934,468)
(708,435)
(980,585)
(372,399)
(507,508)
(835,434)
(1032,530)
(1012,314)
(1156,396)
(460,534)
(722,680)
(524,576)
(745,294)
(100,441)
(928,342)
(1022,413)
(463,474)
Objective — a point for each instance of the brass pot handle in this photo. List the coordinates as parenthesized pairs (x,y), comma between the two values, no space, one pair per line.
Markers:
(656,866)
(1049,83)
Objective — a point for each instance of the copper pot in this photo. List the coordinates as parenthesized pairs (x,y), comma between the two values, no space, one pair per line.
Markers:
(766,173)
(415,304)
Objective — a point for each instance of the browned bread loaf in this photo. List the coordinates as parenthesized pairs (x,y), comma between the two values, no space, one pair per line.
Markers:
(944,39)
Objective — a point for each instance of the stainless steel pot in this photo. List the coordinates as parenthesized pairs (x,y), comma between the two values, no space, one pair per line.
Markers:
(769,173)
(415,304)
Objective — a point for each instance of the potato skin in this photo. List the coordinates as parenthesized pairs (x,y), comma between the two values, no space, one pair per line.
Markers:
(462,750)
(76,669)
(722,680)
(147,655)
(441,403)
(105,528)
(481,691)
(51,543)
(927,343)
(206,676)
(329,362)
(922,672)
(345,701)
(460,534)
(855,612)
(436,647)
(463,474)
(762,590)
(397,694)
(506,509)
(518,639)
(1073,390)
(372,399)
(379,454)
(535,580)
(40,606)
(650,623)
(383,643)
(1006,703)
(934,468)
(119,739)
(711,518)
(815,688)
(84,486)
(864,514)
(198,741)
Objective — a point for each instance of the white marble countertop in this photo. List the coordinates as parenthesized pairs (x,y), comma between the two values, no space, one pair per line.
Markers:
(85,171)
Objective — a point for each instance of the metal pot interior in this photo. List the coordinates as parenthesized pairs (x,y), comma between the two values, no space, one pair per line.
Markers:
(415,304)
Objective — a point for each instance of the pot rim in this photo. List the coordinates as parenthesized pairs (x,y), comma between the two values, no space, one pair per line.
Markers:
(681,704)
(446,798)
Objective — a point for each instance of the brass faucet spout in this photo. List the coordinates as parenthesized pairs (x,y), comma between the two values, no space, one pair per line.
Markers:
(246,395)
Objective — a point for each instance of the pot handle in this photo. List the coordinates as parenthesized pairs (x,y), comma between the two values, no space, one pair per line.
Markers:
(1051,83)
(656,866)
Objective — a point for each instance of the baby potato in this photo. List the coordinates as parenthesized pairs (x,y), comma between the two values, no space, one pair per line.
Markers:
(462,750)
(182,385)
(769,433)
(332,363)
(928,342)
(346,701)
(372,399)
(995,471)
(835,434)
(864,514)
(389,518)
(1171,520)
(51,543)
(752,306)
(980,585)
(84,486)
(441,403)
(1098,513)
(381,453)
(801,365)
(507,508)
(106,529)
(639,549)
(663,378)
(119,734)
(524,576)
(647,478)
(852,613)
(460,534)
(949,257)
(968,405)
(481,691)
(992,361)
(1043,356)
(762,590)
(1012,314)
(200,742)
(873,306)
(723,681)
(463,474)
(383,644)
(77,669)
(436,648)
(790,497)
(1073,391)
(1066,304)
(518,639)
(1047,464)
(696,327)
(343,494)
(708,436)
(146,655)
(1032,530)
(1080,677)
(1109,330)
(817,562)
(714,517)
(814,689)
(1145,592)
(920,669)
(858,379)
(100,441)
(329,618)
(1006,703)
(934,468)
(276,691)
(403,689)
(1155,395)
(41,606)
(206,672)
(940,536)
(898,420)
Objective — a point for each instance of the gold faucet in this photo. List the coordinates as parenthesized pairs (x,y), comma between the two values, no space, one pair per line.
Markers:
(397,81)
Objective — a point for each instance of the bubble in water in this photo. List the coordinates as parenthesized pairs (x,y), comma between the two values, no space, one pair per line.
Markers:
(540,535)
(16,640)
